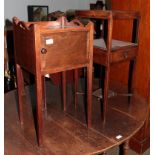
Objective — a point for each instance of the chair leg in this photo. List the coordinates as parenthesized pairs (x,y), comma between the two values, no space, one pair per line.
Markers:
(126,148)
(105,92)
(44,93)
(89,96)
(75,87)
(39,106)
(101,76)
(20,89)
(131,76)
(64,92)
(101,85)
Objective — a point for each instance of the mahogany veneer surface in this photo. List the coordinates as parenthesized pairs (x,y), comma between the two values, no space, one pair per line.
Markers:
(66,133)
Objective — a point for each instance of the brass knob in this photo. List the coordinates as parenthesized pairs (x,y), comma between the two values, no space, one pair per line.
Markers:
(43,51)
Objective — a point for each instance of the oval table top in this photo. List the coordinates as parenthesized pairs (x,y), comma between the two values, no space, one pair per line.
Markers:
(67,133)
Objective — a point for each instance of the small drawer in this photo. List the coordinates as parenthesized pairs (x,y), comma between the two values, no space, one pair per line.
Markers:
(124,54)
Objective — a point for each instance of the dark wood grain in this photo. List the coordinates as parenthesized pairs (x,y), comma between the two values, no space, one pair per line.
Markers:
(67,133)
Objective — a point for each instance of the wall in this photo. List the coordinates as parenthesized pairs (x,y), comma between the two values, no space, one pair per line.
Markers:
(85,4)
(19,7)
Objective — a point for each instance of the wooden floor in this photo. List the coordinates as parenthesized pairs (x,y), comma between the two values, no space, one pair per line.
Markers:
(66,133)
